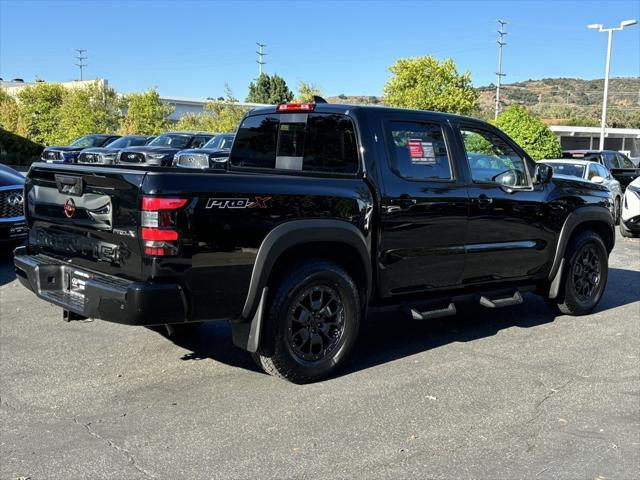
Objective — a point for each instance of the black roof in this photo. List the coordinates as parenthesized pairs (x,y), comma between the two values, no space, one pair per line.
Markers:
(581,151)
(343,108)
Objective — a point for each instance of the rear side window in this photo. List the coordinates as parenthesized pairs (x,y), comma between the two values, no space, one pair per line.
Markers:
(417,150)
(297,141)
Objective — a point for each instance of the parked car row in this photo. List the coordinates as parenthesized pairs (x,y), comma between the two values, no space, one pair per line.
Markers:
(69,153)
(108,154)
(620,166)
(181,149)
(613,170)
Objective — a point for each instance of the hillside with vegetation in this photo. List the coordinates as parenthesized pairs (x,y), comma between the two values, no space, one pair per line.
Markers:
(568,101)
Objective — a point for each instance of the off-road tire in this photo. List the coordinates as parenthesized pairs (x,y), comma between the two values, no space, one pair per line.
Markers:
(276,354)
(569,301)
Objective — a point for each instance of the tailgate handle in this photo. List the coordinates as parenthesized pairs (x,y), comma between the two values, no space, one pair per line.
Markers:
(70,185)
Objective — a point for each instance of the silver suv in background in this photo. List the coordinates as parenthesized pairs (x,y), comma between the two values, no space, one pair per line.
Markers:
(161,150)
(214,154)
(107,155)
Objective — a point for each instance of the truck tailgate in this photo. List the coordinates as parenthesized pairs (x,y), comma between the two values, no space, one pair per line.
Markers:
(86,216)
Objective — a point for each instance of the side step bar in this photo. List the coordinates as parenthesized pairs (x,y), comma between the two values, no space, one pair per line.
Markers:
(516,299)
(437,313)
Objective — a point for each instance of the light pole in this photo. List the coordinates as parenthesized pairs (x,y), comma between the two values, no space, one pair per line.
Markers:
(599,27)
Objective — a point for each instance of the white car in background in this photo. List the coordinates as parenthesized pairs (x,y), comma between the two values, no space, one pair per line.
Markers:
(592,172)
(630,221)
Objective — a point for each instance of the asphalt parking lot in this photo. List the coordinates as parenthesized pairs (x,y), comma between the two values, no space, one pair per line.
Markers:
(516,393)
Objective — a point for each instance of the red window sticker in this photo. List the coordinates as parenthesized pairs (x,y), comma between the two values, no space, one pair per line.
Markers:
(415,148)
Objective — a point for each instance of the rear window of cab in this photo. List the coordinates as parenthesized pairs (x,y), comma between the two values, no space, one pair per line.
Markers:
(297,142)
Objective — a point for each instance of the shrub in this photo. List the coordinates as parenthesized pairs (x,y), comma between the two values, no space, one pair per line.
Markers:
(529,132)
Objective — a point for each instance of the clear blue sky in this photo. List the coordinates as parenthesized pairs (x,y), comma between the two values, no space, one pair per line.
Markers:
(192,48)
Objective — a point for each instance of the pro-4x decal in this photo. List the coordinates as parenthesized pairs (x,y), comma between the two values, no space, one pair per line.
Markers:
(255,202)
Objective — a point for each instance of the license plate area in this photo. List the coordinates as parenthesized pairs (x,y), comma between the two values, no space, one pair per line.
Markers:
(18,230)
(75,282)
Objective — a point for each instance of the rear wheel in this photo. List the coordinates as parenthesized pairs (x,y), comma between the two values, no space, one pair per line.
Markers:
(618,211)
(585,275)
(313,323)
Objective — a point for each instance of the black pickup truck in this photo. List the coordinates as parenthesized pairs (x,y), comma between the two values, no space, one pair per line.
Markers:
(324,212)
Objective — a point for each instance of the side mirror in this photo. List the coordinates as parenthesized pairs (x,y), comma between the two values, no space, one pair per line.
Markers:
(597,179)
(543,173)
(507,179)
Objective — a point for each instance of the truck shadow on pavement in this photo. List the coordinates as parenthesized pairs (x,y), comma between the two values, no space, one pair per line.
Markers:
(7,273)
(390,336)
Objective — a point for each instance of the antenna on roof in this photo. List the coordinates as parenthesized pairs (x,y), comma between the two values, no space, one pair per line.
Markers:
(318,99)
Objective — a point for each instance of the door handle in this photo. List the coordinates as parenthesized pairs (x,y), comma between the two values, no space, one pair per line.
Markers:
(484,200)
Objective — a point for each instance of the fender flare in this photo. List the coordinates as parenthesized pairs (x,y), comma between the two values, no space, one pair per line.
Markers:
(246,329)
(573,220)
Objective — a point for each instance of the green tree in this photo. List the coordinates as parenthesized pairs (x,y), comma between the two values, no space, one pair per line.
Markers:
(306,92)
(9,112)
(529,132)
(146,114)
(39,106)
(424,83)
(269,89)
(219,116)
(95,108)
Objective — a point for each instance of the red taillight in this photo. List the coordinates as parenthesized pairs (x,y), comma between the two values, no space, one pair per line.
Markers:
(157,215)
(153,204)
(159,234)
(296,107)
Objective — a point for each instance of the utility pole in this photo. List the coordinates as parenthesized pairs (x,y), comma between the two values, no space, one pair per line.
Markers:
(499,74)
(598,26)
(261,54)
(81,58)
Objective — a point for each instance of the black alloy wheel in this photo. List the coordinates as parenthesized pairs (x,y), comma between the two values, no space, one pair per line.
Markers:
(316,323)
(586,273)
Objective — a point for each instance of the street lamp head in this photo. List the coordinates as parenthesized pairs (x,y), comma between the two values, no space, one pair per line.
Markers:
(628,23)
(597,26)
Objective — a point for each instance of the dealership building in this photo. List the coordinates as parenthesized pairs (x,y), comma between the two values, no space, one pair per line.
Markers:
(625,140)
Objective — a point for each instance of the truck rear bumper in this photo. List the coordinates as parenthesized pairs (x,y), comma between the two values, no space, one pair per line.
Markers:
(95,295)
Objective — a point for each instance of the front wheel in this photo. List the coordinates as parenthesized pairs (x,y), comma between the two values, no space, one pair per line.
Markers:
(618,211)
(585,274)
(313,323)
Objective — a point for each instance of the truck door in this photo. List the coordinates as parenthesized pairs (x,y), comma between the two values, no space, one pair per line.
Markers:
(424,206)
(507,238)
